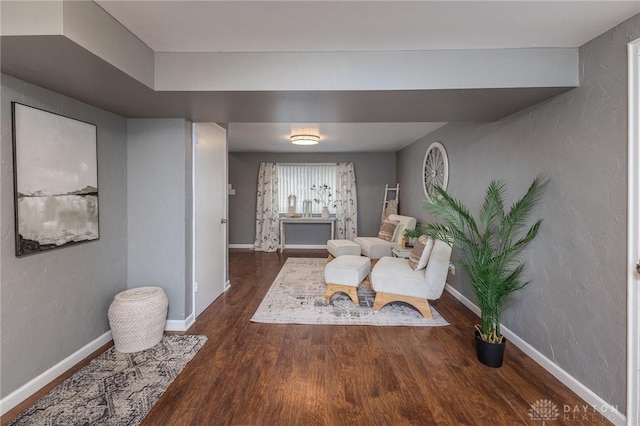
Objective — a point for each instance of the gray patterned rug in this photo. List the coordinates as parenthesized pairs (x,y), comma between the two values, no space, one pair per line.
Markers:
(297,297)
(115,388)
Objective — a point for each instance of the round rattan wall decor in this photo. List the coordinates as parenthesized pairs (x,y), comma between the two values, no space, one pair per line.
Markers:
(435,169)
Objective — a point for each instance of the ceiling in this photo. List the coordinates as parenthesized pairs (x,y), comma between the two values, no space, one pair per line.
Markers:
(334,137)
(331,26)
(345,120)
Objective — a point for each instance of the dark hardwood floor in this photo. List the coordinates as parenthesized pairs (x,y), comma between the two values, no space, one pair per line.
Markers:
(268,374)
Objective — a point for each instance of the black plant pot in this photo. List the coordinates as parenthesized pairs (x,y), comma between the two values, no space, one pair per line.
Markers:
(490,354)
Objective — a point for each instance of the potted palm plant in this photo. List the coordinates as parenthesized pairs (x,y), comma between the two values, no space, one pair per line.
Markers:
(489,252)
(411,236)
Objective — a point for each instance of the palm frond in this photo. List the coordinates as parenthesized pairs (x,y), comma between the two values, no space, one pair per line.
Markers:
(521,210)
(448,208)
(448,234)
(513,249)
(492,209)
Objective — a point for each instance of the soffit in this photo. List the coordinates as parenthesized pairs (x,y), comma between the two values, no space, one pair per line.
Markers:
(331,26)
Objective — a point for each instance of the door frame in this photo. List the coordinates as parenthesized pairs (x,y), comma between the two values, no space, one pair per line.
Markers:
(633,238)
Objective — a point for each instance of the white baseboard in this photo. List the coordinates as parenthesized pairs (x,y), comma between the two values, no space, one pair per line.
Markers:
(34,385)
(610,412)
(227,286)
(180,325)
(287,246)
(466,302)
(306,246)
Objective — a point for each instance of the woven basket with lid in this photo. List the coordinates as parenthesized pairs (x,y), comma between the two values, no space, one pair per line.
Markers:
(137,318)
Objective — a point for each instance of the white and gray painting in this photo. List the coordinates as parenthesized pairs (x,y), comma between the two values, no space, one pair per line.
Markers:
(56,180)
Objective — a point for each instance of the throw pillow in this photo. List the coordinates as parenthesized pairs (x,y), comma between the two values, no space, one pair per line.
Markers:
(420,254)
(426,253)
(387,229)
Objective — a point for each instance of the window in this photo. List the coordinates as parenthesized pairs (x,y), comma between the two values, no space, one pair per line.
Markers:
(297,179)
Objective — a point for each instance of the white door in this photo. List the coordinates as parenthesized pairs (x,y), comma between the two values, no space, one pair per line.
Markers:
(210,213)
(633,248)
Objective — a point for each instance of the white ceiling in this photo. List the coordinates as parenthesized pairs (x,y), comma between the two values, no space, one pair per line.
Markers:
(321,26)
(334,137)
(312,26)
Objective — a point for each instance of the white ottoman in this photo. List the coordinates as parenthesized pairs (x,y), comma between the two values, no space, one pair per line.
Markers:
(338,248)
(344,274)
(374,247)
(137,318)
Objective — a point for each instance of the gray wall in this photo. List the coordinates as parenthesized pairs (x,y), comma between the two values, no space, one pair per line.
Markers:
(157,212)
(373,172)
(54,303)
(574,309)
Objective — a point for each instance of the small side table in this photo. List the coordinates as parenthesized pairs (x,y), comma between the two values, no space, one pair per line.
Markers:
(401,252)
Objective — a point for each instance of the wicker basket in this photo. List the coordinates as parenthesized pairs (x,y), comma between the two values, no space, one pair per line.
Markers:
(137,318)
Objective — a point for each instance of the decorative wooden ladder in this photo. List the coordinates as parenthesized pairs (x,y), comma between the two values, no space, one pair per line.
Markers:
(394,192)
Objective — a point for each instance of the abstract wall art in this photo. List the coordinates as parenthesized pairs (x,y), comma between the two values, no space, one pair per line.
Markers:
(55,169)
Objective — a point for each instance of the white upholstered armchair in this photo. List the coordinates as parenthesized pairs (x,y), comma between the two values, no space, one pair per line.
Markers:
(376,248)
(393,279)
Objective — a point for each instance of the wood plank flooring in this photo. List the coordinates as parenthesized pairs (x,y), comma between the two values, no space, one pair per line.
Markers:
(269,374)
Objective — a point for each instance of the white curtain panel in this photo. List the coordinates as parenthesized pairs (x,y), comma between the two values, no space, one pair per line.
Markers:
(346,202)
(267,211)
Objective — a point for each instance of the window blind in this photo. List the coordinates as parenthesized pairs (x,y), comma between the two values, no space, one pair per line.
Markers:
(297,179)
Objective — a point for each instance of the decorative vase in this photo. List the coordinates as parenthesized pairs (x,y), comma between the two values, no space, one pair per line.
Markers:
(490,354)
(291,204)
(306,208)
(325,212)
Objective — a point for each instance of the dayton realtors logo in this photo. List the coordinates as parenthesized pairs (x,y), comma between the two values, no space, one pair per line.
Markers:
(543,410)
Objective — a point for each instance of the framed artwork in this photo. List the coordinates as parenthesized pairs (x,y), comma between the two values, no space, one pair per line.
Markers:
(55,168)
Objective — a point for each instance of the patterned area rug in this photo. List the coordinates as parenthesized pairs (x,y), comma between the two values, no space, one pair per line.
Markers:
(115,388)
(297,297)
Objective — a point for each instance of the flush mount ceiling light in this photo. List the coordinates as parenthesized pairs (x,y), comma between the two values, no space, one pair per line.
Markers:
(305,139)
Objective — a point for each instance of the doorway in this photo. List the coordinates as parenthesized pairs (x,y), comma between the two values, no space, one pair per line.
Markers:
(633,248)
(210,254)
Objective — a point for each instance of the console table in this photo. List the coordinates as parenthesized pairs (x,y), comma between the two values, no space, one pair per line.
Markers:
(284,220)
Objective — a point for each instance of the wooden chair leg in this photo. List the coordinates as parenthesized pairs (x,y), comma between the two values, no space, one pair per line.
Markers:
(379,302)
(352,292)
(330,257)
(366,283)
(422,305)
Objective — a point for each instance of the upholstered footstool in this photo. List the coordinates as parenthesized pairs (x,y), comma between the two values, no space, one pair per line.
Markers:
(344,274)
(338,248)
